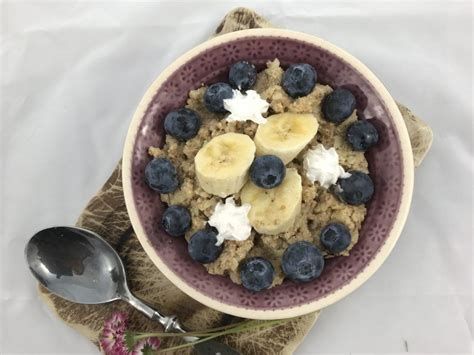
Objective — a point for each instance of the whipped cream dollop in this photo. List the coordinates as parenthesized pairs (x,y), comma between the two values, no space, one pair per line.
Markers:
(231,221)
(322,165)
(248,106)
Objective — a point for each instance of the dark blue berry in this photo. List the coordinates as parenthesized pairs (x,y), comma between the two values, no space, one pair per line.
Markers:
(215,95)
(338,105)
(299,79)
(176,220)
(356,189)
(267,171)
(161,175)
(202,246)
(302,262)
(362,135)
(242,75)
(182,124)
(256,274)
(335,238)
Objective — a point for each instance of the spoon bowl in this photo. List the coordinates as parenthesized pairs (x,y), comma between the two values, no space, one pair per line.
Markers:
(76,264)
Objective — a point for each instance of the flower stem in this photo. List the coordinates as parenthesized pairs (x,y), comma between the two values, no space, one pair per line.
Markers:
(188,344)
(204,332)
(237,329)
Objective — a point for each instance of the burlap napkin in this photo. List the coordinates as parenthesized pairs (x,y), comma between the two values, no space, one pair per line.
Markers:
(106,214)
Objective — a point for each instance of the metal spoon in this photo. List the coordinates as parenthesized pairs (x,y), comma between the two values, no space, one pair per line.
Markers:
(79,266)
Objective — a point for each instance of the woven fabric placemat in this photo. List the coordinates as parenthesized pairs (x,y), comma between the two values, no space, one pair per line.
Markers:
(106,215)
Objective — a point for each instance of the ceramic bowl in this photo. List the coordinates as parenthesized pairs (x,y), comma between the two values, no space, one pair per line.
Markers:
(390,163)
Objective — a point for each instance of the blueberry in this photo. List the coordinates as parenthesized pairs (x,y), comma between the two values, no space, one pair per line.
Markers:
(182,124)
(302,261)
(215,95)
(176,220)
(299,79)
(356,189)
(202,246)
(362,135)
(267,171)
(242,75)
(256,274)
(161,175)
(338,105)
(335,237)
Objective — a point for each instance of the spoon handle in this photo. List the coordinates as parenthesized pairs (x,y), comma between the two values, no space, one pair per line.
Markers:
(169,323)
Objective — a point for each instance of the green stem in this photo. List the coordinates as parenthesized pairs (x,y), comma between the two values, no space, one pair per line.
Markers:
(225,332)
(205,332)
(188,344)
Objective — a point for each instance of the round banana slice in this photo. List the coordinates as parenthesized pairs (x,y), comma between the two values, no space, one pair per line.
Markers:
(223,163)
(274,210)
(285,134)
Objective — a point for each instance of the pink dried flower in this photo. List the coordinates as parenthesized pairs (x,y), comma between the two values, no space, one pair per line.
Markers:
(146,346)
(118,321)
(112,339)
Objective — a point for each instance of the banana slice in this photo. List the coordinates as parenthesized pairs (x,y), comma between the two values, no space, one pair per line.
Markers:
(285,135)
(223,163)
(274,210)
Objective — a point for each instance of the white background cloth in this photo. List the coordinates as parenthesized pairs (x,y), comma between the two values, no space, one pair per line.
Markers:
(74,71)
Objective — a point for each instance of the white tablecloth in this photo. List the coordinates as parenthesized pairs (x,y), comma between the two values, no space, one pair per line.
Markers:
(74,71)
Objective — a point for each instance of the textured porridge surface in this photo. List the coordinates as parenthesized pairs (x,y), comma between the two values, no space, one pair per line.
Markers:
(319,206)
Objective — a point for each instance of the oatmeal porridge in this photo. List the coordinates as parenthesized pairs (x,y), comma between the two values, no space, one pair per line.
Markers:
(303,194)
